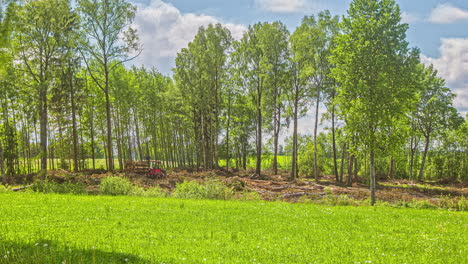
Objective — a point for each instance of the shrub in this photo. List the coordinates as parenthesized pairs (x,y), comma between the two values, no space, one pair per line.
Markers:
(62,188)
(423,204)
(211,190)
(115,186)
(4,189)
(339,200)
(155,192)
(453,203)
(151,192)
(217,191)
(190,190)
(248,196)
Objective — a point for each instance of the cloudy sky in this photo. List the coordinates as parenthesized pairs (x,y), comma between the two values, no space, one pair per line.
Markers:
(439,28)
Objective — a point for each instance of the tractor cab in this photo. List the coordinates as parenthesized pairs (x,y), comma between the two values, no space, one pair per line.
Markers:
(155,170)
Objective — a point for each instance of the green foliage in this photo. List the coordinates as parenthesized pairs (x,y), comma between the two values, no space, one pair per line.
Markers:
(115,186)
(423,204)
(247,196)
(454,203)
(112,229)
(150,192)
(45,186)
(212,189)
(306,155)
(4,189)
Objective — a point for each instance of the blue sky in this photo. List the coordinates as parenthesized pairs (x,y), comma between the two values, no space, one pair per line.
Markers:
(438,28)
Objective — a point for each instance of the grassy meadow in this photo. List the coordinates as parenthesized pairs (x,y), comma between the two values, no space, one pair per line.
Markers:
(38,228)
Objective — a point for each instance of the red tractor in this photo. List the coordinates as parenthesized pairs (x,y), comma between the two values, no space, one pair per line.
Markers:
(155,171)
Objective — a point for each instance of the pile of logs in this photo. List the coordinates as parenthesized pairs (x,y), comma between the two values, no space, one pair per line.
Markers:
(137,167)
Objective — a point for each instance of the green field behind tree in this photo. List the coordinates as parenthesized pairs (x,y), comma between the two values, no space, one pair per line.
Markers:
(37,228)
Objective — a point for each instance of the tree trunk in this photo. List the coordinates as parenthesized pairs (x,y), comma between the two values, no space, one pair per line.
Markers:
(93,148)
(258,167)
(75,131)
(2,164)
(43,129)
(391,172)
(83,164)
(211,144)
(275,155)
(118,139)
(343,155)
(127,128)
(335,163)
(228,152)
(316,173)
(294,171)
(423,162)
(110,156)
(412,152)
(372,175)
(137,131)
(356,169)
(244,156)
(350,170)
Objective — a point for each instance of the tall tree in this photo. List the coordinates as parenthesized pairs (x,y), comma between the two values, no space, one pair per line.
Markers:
(298,97)
(201,73)
(251,56)
(274,43)
(110,41)
(41,26)
(260,60)
(314,37)
(7,13)
(374,68)
(434,111)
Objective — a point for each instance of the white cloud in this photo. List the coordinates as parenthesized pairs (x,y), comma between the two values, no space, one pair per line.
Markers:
(453,67)
(447,13)
(282,6)
(461,101)
(409,18)
(164,31)
(453,61)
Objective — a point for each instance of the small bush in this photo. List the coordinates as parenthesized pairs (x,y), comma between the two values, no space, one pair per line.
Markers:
(62,188)
(211,190)
(423,204)
(453,203)
(331,200)
(151,192)
(248,196)
(217,191)
(155,192)
(340,200)
(115,186)
(4,189)
(189,190)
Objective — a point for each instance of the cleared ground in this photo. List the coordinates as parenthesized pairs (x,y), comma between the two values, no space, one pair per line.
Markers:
(37,228)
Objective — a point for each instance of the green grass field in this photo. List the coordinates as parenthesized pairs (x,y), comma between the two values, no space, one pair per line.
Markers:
(38,228)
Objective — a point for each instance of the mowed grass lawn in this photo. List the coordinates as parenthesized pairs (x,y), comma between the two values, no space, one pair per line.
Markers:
(38,228)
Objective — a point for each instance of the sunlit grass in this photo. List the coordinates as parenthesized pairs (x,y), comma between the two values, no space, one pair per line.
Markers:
(38,228)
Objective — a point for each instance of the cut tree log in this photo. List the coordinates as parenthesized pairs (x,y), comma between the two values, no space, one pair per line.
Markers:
(21,188)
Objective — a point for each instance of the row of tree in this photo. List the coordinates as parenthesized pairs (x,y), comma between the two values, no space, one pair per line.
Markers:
(67,100)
